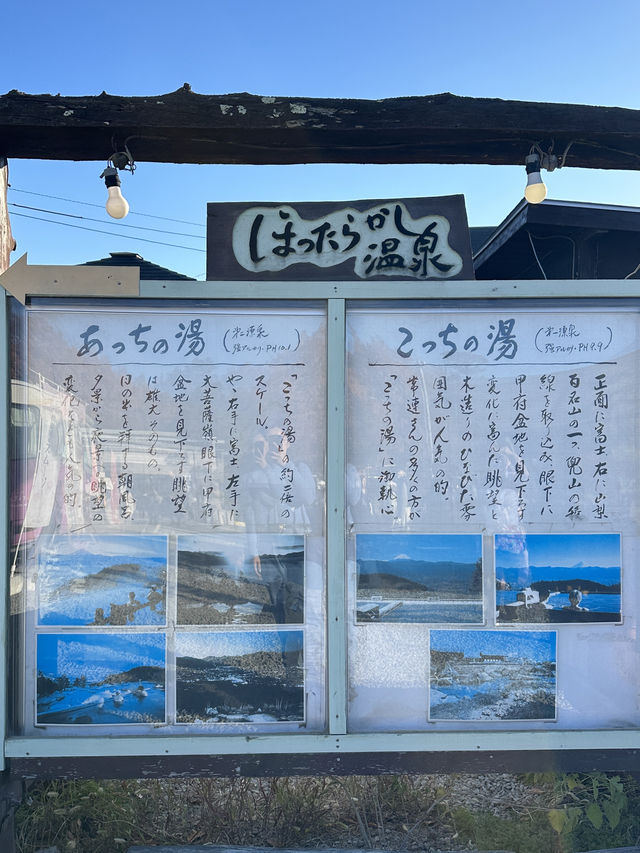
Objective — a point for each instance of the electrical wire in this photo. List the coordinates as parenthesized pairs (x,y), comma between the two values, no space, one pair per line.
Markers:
(92,219)
(93,204)
(561,237)
(535,254)
(633,272)
(111,233)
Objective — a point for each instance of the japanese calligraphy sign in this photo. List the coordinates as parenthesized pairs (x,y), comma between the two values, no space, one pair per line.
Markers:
(161,413)
(175,517)
(497,418)
(419,239)
(517,427)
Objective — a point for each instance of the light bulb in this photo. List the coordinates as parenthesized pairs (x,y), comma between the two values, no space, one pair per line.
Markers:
(535,191)
(117,206)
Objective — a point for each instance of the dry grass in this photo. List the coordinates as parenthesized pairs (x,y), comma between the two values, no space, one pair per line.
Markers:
(391,812)
(429,813)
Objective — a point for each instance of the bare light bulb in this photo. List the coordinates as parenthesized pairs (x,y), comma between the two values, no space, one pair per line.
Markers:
(117,206)
(535,191)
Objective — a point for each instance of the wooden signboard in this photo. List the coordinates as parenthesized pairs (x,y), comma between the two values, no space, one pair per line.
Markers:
(419,239)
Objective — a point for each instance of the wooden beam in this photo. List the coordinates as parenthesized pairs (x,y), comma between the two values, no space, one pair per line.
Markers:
(185,127)
(321,764)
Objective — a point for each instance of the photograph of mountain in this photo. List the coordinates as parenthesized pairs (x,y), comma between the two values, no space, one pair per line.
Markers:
(240,677)
(492,675)
(102,580)
(100,679)
(414,577)
(558,578)
(225,579)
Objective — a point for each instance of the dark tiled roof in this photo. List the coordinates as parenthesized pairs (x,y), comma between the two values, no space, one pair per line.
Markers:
(562,240)
(147,269)
(479,235)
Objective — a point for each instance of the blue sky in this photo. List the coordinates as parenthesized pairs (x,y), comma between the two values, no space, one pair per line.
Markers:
(109,546)
(463,548)
(232,546)
(236,643)
(98,655)
(572,52)
(534,645)
(601,549)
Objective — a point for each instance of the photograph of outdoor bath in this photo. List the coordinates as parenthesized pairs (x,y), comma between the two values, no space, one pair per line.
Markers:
(573,578)
(492,675)
(427,578)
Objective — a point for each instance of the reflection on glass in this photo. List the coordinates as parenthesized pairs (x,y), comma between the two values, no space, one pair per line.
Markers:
(233,580)
(102,580)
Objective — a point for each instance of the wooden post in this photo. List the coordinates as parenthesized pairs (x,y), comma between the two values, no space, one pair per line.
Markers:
(11,794)
(7,243)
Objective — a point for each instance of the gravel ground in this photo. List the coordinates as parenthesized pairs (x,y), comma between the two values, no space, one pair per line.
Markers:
(421,819)
(499,793)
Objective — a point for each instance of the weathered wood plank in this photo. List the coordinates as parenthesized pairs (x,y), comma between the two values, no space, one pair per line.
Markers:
(216,848)
(617,850)
(229,848)
(223,848)
(185,127)
(322,764)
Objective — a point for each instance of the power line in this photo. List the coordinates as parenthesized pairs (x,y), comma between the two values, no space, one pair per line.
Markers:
(93,204)
(110,233)
(91,219)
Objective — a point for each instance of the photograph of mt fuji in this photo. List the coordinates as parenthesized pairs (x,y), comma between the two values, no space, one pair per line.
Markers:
(558,578)
(423,578)
(102,580)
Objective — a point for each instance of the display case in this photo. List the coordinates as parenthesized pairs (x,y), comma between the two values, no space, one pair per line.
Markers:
(362,528)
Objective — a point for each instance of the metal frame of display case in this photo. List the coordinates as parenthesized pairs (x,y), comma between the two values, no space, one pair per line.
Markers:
(336,751)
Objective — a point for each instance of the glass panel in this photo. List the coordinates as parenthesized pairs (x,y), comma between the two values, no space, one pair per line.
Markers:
(168,519)
(492,516)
